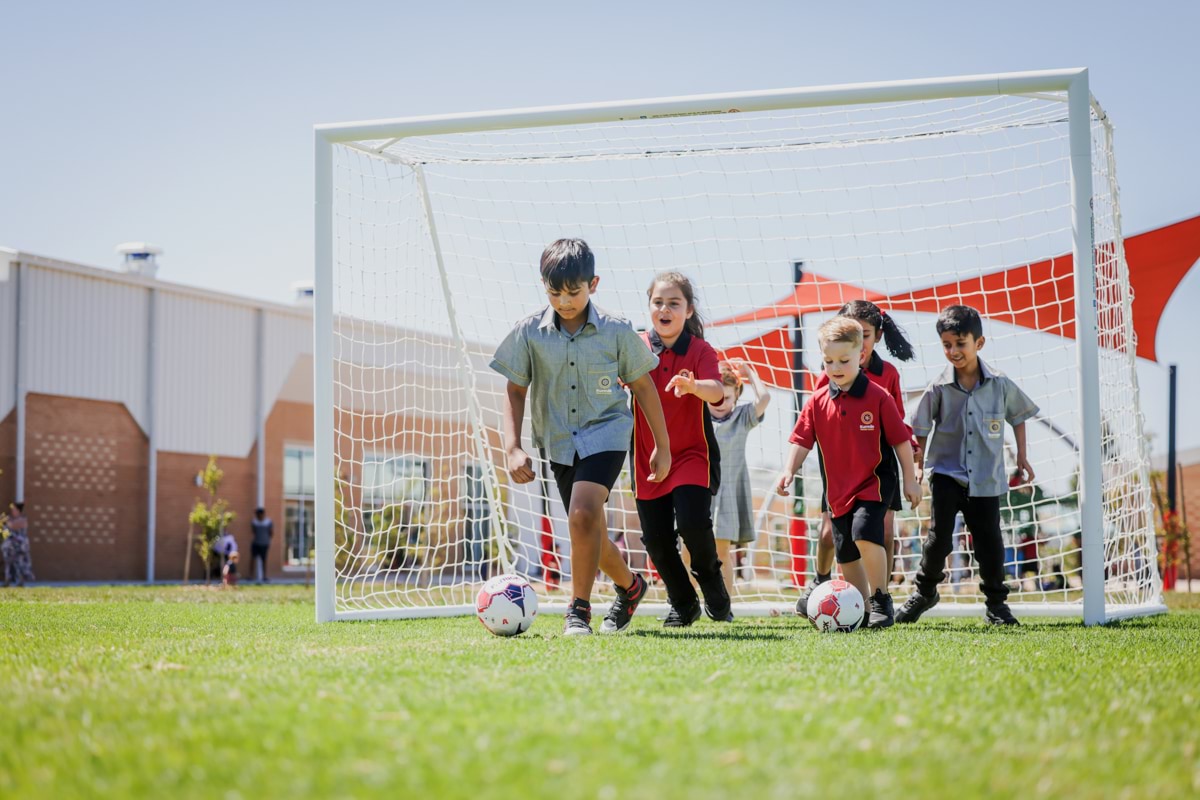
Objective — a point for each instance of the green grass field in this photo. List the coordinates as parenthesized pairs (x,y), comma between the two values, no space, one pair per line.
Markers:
(188,692)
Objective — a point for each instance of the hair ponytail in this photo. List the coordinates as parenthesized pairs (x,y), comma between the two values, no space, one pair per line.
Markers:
(895,340)
(889,332)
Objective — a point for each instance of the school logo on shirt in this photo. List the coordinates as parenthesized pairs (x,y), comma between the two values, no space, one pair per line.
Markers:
(868,421)
(994,428)
(604,385)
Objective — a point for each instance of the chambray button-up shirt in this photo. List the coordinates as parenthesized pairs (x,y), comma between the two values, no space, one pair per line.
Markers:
(968,428)
(576,405)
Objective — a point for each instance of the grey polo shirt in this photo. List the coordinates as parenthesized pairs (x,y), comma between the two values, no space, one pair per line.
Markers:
(576,404)
(968,428)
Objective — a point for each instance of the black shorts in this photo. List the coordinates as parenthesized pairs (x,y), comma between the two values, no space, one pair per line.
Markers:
(863,523)
(603,468)
(896,503)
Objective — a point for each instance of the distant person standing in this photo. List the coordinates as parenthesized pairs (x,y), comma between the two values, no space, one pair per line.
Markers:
(18,563)
(263,529)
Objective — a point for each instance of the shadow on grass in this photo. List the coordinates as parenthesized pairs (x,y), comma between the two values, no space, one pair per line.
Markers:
(733,633)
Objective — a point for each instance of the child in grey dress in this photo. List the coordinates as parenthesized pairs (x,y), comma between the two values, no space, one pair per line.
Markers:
(733,507)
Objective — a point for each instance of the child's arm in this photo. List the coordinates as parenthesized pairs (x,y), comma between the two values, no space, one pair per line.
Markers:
(912,486)
(919,458)
(709,391)
(762,398)
(520,465)
(646,394)
(795,460)
(1022,457)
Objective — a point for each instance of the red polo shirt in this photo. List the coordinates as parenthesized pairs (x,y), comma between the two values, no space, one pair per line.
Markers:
(882,374)
(852,430)
(695,460)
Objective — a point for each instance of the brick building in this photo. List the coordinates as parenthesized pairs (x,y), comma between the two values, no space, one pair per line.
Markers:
(116,387)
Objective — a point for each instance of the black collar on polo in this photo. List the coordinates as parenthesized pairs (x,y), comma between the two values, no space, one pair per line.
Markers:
(857,389)
(875,363)
(680,347)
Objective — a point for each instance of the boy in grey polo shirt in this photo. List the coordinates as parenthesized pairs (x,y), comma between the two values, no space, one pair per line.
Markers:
(570,360)
(965,410)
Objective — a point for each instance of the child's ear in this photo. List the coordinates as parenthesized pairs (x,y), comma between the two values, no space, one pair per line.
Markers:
(980,342)
(593,284)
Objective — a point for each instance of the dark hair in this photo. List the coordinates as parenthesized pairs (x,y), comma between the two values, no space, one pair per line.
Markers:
(19,507)
(567,264)
(888,331)
(961,320)
(694,324)
(260,510)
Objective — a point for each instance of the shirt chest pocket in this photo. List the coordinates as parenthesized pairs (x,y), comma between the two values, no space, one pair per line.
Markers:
(601,378)
(993,425)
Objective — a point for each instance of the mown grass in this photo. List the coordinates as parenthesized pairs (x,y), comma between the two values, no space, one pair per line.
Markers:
(187,692)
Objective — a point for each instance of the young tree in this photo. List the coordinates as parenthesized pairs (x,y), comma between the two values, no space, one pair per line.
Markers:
(207,520)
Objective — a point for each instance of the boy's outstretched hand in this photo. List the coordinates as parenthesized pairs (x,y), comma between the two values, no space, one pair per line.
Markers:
(520,465)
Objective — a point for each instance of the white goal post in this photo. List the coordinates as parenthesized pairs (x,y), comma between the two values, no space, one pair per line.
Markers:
(994,190)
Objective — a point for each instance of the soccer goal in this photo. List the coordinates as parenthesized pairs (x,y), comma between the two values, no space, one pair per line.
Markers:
(997,191)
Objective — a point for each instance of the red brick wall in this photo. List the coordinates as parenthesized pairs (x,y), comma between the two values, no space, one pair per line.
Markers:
(177,495)
(85,479)
(1189,500)
(8,460)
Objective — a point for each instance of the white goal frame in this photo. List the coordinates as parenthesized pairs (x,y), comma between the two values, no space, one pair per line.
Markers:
(1080,104)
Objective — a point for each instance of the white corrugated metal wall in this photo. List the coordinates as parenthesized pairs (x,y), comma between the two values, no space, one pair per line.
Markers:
(8,335)
(84,337)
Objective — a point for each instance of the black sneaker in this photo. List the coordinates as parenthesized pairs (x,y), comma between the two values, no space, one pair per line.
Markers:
(578,619)
(621,613)
(882,612)
(809,588)
(1001,615)
(717,604)
(916,605)
(682,619)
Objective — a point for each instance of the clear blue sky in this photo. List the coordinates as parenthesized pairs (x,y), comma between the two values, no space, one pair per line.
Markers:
(189,124)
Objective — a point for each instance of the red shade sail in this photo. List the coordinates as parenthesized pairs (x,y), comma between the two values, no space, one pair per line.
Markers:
(1037,296)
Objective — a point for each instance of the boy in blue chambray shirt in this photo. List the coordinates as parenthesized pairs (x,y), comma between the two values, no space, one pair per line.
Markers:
(570,360)
(965,409)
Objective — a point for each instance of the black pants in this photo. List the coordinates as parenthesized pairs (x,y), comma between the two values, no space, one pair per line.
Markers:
(258,551)
(982,515)
(686,512)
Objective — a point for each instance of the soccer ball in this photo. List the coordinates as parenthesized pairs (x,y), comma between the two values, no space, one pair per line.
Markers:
(507,605)
(835,606)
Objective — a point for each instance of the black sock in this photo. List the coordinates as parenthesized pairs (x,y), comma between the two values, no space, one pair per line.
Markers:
(823,578)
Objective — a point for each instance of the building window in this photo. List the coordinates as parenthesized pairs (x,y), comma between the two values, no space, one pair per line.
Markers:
(395,490)
(299,480)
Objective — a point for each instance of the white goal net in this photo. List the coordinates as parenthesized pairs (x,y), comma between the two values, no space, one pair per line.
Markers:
(429,235)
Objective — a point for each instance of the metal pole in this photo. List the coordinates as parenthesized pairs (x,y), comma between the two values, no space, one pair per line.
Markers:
(323,380)
(152,432)
(18,375)
(798,533)
(1091,516)
(260,413)
(1171,496)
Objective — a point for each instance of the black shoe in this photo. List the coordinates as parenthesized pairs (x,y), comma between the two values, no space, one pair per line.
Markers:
(882,612)
(717,604)
(916,605)
(621,613)
(1000,615)
(809,588)
(578,619)
(677,618)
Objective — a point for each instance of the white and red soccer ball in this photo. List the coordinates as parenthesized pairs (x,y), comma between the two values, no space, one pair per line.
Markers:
(835,606)
(507,605)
